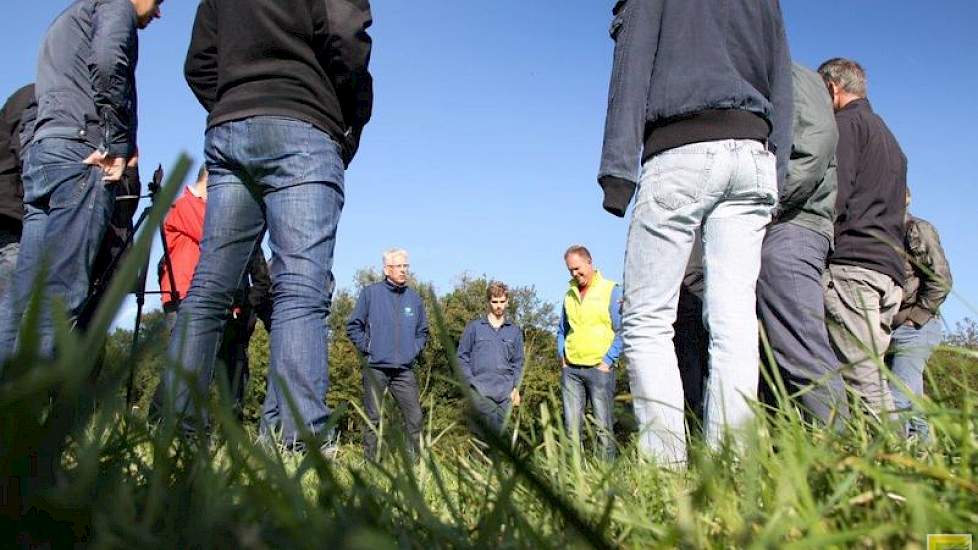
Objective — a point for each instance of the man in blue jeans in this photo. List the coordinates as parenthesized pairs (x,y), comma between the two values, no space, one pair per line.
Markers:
(79,144)
(288,93)
(588,345)
(917,326)
(389,327)
(490,354)
(699,104)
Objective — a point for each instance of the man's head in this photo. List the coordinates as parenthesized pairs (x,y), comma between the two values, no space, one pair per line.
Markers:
(396,266)
(497,294)
(578,260)
(845,79)
(146,11)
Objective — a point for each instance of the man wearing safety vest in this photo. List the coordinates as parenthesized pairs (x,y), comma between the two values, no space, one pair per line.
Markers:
(589,343)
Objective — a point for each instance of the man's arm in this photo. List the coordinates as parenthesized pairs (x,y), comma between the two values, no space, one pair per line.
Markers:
(200,66)
(114,37)
(356,326)
(636,33)
(348,53)
(846,153)
(815,140)
(562,329)
(782,100)
(614,310)
(421,332)
(518,358)
(935,275)
(465,351)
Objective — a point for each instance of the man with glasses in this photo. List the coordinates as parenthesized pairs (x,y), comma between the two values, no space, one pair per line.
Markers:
(389,327)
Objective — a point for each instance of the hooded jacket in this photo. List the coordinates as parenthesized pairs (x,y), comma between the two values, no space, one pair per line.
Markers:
(300,59)
(688,71)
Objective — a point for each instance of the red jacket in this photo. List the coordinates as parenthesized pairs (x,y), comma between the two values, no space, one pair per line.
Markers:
(183,229)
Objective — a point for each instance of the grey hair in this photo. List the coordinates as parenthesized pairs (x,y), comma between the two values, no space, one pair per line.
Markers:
(394,253)
(580,250)
(845,73)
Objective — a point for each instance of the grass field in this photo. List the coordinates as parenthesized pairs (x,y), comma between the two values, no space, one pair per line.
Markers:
(74,473)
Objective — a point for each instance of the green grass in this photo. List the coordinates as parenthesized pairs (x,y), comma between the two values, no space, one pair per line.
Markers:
(78,467)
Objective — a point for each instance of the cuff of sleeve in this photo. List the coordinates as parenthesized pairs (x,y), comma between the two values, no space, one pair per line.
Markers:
(618,193)
(120,150)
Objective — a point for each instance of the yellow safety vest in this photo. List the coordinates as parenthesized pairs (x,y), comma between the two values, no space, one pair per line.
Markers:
(591,332)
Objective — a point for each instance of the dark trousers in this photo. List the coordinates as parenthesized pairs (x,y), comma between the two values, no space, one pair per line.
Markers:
(692,342)
(790,304)
(492,413)
(403,385)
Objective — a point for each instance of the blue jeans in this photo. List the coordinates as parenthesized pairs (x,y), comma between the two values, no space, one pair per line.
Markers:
(910,348)
(9,248)
(289,175)
(67,209)
(577,386)
(726,188)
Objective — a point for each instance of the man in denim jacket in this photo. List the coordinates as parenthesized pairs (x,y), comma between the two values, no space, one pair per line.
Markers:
(699,105)
(82,139)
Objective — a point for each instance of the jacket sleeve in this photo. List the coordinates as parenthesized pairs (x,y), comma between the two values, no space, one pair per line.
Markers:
(348,53)
(815,140)
(518,359)
(635,30)
(421,331)
(935,275)
(846,153)
(562,329)
(356,326)
(782,100)
(614,310)
(200,66)
(465,352)
(113,41)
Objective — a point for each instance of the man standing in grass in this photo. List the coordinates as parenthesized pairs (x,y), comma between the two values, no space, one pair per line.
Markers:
(588,345)
(866,269)
(83,136)
(490,354)
(288,93)
(917,326)
(699,125)
(389,327)
(790,299)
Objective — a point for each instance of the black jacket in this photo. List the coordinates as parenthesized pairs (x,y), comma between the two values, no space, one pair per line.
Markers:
(687,71)
(11,188)
(301,59)
(871,203)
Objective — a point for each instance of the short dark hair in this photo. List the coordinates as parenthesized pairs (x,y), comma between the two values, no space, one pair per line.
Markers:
(496,289)
(580,250)
(845,73)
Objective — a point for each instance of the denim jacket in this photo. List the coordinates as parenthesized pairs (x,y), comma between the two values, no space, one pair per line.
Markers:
(86,76)
(676,58)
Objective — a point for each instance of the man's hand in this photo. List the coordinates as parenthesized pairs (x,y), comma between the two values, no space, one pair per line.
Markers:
(604,367)
(112,167)
(514,396)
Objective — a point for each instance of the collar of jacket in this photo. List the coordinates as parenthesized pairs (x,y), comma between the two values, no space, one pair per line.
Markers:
(485,321)
(857,104)
(595,279)
(393,287)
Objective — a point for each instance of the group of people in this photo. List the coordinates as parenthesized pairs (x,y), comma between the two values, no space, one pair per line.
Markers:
(762,191)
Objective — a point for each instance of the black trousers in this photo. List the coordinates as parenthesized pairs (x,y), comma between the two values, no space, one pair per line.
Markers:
(403,385)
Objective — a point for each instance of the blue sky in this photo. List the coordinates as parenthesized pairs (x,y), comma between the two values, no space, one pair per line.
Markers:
(484,144)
